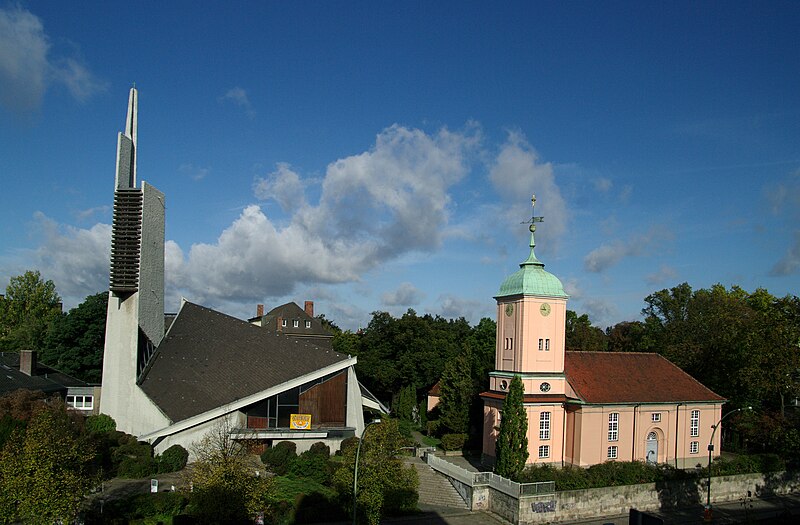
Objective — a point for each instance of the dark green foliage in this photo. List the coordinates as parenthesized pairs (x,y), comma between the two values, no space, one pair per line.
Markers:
(29,305)
(100,423)
(8,425)
(160,506)
(453,441)
(279,457)
(173,459)
(581,335)
(457,393)
(347,444)
(74,341)
(320,449)
(433,428)
(511,449)
(134,459)
(404,403)
(311,465)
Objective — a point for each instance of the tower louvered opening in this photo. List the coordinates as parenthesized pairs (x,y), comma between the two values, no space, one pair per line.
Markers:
(126,240)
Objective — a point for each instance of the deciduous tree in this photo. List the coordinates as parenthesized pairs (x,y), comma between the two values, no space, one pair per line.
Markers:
(28,306)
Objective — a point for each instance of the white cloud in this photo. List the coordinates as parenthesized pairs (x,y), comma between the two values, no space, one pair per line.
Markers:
(664,274)
(516,175)
(601,313)
(238,97)
(604,257)
(405,295)
(26,71)
(784,201)
(453,307)
(283,186)
(375,206)
(75,259)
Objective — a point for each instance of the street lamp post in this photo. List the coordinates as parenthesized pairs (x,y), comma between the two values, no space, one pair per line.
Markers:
(710,452)
(355,470)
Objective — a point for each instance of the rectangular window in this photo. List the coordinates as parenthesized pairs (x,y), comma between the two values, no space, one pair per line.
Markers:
(283,322)
(295,323)
(308,324)
(694,424)
(541,344)
(509,343)
(694,447)
(612,452)
(547,345)
(613,426)
(544,425)
(656,417)
(81,402)
(544,451)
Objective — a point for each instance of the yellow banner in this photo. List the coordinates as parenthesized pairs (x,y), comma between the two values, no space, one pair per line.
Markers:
(300,421)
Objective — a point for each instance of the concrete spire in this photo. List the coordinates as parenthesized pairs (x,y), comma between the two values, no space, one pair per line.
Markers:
(126,145)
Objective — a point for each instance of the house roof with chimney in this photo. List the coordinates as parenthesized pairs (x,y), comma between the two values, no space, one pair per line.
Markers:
(291,320)
(208,359)
(33,376)
(632,377)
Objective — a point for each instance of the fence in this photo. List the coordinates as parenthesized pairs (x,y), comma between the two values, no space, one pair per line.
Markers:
(496,482)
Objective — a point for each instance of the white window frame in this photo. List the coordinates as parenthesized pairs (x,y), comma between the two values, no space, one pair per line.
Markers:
(694,447)
(694,424)
(655,417)
(296,323)
(613,426)
(544,425)
(547,345)
(283,323)
(544,451)
(541,344)
(613,452)
(81,402)
(308,324)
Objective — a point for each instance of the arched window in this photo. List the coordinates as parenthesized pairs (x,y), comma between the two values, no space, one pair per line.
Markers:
(652,436)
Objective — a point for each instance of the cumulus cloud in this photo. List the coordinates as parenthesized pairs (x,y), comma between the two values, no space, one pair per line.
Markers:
(26,70)
(517,174)
(664,274)
(453,307)
(283,186)
(238,97)
(373,207)
(405,295)
(76,259)
(604,257)
(601,313)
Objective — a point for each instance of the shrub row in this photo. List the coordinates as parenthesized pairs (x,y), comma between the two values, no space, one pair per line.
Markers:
(616,473)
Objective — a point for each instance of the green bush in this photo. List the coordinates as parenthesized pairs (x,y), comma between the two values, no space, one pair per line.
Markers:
(173,459)
(433,428)
(347,444)
(100,423)
(279,457)
(320,449)
(312,465)
(133,459)
(453,441)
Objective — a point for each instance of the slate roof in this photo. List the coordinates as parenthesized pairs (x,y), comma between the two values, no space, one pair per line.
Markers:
(291,312)
(45,379)
(209,359)
(631,377)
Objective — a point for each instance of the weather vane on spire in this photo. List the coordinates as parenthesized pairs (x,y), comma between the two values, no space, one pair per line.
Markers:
(534,218)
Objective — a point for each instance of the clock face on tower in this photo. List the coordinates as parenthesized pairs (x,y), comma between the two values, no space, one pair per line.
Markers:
(544,387)
(509,309)
(545,309)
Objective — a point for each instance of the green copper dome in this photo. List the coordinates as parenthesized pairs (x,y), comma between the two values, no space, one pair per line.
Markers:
(532,279)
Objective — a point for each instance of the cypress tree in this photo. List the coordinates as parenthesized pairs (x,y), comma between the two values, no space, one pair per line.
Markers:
(511,448)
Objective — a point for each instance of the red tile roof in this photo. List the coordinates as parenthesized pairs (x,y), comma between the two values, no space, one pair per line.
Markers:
(631,377)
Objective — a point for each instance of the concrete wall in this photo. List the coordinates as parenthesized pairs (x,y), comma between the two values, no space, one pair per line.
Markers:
(151,265)
(577,505)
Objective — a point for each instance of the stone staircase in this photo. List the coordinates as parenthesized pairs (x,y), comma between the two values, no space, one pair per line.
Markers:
(435,489)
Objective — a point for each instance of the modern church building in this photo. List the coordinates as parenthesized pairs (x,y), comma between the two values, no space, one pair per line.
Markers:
(172,380)
(585,408)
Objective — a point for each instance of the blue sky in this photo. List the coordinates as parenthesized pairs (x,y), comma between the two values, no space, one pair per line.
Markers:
(381,156)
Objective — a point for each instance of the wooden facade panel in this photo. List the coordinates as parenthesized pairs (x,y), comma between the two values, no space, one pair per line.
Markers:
(326,402)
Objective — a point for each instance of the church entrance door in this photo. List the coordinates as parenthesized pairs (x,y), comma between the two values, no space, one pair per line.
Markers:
(651,448)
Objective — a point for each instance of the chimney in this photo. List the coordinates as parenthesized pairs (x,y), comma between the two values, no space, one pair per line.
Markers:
(309,308)
(280,324)
(260,310)
(27,362)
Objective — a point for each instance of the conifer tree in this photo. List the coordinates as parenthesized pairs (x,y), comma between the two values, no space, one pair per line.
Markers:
(511,448)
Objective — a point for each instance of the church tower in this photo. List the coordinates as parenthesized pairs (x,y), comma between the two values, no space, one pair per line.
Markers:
(531,321)
(135,314)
